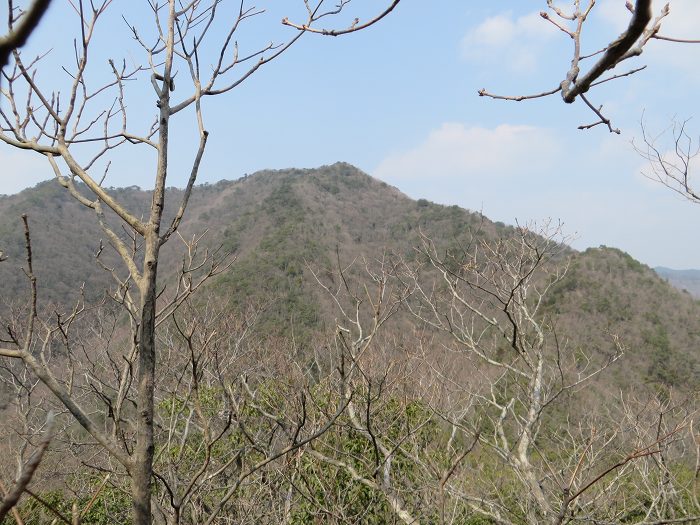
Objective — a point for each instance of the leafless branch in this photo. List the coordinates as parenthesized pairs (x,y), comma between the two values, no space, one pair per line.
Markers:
(356,26)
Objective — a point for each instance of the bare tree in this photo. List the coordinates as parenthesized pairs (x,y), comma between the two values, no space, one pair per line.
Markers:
(233,406)
(77,136)
(670,156)
(517,372)
(474,410)
(369,382)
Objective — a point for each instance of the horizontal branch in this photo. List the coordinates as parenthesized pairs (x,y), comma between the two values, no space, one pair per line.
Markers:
(483,93)
(6,352)
(337,32)
(679,40)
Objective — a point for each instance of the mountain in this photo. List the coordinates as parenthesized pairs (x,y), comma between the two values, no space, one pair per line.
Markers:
(277,222)
(687,280)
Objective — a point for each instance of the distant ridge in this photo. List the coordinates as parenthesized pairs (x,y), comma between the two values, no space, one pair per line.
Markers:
(688,280)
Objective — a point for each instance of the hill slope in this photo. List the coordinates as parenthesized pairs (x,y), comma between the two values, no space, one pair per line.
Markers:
(275,222)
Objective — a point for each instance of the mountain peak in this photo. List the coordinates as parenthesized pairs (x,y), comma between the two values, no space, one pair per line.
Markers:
(277,221)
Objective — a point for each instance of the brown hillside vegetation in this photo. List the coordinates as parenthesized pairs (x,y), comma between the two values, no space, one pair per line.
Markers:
(277,223)
(366,358)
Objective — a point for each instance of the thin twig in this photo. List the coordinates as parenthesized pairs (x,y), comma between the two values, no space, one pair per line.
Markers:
(337,32)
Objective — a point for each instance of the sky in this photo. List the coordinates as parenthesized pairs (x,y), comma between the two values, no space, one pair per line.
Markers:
(399,100)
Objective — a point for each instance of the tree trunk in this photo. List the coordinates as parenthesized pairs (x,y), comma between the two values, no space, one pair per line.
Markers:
(143,451)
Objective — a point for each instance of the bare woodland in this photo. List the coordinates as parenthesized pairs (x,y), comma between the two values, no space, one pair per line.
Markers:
(441,395)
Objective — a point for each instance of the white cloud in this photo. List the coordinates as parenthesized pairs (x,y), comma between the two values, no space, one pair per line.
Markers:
(681,22)
(470,165)
(505,39)
(614,14)
(21,169)
(494,31)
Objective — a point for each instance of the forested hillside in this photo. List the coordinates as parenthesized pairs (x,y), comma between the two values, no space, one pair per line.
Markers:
(364,358)
(277,224)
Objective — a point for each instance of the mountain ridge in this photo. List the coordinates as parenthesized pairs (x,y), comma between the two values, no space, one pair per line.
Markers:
(277,222)
(685,280)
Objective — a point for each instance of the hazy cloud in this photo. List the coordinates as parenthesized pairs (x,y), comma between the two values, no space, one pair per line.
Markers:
(456,152)
(515,42)
(612,13)
(682,22)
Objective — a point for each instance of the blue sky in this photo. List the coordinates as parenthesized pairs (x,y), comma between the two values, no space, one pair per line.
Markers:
(400,101)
